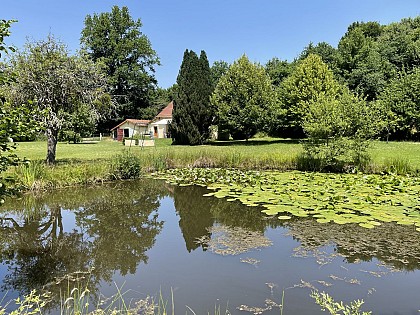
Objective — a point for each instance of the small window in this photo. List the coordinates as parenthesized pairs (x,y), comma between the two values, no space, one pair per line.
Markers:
(126,133)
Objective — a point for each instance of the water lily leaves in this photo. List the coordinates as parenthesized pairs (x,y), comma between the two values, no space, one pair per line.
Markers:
(366,200)
(323,220)
(367,225)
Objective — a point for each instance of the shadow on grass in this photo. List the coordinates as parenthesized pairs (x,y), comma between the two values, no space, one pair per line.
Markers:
(256,142)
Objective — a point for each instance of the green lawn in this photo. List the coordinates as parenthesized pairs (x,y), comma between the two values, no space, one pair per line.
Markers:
(81,151)
(262,148)
(255,152)
(383,152)
(87,163)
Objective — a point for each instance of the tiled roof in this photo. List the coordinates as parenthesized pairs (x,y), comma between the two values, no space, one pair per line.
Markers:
(137,122)
(166,112)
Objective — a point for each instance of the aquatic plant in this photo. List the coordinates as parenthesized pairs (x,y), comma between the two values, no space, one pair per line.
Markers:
(327,303)
(126,165)
(366,200)
(30,174)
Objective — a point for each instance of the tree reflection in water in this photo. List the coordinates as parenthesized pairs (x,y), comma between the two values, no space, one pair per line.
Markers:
(115,226)
(198,214)
(397,246)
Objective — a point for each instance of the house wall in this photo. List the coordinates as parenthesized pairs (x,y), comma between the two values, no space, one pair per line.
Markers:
(162,128)
(132,130)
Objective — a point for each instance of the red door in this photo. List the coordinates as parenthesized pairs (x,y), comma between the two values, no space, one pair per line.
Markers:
(120,134)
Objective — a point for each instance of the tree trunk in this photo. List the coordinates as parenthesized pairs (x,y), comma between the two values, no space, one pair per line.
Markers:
(51,145)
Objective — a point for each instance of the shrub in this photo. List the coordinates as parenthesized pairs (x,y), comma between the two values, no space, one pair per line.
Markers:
(126,166)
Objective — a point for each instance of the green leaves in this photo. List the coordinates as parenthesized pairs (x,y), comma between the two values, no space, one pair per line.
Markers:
(115,39)
(193,115)
(60,85)
(366,200)
(400,100)
(310,80)
(244,99)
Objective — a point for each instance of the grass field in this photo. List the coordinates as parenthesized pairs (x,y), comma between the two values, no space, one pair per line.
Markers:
(255,149)
(88,163)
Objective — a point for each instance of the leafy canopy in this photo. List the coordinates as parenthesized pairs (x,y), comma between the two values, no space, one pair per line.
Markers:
(244,99)
(115,39)
(59,85)
(310,80)
(401,102)
(192,114)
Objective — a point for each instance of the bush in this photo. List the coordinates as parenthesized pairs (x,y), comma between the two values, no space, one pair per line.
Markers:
(126,166)
(339,131)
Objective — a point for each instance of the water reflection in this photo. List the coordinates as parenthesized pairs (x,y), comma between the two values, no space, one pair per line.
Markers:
(88,235)
(195,215)
(198,214)
(114,227)
(398,246)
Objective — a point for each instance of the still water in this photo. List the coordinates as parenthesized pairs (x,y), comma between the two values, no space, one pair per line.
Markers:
(148,238)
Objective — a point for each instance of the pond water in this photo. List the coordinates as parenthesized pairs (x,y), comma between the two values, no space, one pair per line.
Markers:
(148,238)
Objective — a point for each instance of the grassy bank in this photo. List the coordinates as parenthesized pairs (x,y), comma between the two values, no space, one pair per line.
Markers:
(88,163)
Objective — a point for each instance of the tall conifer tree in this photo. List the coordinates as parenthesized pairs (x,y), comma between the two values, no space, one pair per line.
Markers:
(192,115)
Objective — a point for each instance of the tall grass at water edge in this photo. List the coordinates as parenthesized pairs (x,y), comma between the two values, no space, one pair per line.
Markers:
(132,162)
(76,301)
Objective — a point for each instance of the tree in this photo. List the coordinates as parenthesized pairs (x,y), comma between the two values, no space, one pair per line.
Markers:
(218,69)
(244,99)
(339,130)
(327,53)
(14,122)
(399,44)
(278,70)
(59,85)
(192,114)
(401,102)
(115,39)
(310,79)
(361,63)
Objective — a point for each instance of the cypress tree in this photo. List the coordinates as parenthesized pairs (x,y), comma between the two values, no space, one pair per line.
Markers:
(192,116)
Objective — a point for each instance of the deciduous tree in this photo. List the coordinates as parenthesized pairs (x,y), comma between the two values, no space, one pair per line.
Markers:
(244,99)
(339,130)
(115,39)
(401,101)
(278,70)
(58,84)
(310,80)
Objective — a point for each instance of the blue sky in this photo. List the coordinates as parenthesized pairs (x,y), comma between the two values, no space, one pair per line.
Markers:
(225,29)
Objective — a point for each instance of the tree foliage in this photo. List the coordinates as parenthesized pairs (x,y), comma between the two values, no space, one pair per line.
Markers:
(401,101)
(310,80)
(59,85)
(115,39)
(217,70)
(339,130)
(327,53)
(244,99)
(192,113)
(278,70)
(14,122)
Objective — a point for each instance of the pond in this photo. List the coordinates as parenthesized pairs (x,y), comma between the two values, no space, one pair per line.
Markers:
(147,237)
